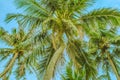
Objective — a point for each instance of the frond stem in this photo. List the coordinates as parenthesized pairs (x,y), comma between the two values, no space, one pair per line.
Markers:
(113,66)
(9,65)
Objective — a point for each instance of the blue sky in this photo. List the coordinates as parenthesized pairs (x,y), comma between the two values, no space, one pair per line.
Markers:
(7,6)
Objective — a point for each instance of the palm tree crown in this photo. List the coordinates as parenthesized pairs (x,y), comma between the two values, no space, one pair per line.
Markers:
(21,47)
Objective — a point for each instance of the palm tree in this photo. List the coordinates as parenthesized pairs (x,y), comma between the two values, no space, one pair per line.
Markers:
(67,23)
(21,44)
(106,50)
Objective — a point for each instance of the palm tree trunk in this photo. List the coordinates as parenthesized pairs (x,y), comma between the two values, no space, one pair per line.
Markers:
(9,65)
(113,66)
(4,78)
(51,67)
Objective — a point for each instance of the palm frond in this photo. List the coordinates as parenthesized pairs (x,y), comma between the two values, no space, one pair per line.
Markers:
(4,36)
(32,7)
(25,20)
(100,18)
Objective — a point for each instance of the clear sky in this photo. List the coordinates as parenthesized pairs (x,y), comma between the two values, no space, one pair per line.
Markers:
(7,6)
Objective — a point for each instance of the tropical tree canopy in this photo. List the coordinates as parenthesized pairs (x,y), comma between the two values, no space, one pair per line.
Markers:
(20,48)
(52,30)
